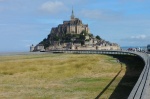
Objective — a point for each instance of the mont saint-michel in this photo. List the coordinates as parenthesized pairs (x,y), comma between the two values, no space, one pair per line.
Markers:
(73,35)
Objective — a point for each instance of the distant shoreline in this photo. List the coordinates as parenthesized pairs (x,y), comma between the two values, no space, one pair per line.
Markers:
(29,53)
(19,53)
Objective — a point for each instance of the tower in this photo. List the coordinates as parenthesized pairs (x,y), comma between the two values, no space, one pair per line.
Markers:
(72,15)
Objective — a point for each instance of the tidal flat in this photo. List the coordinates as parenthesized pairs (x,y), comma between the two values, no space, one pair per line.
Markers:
(60,76)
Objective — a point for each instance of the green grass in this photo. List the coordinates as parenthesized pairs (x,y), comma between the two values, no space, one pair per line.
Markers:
(57,76)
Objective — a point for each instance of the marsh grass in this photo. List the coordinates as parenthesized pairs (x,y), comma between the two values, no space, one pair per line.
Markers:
(57,76)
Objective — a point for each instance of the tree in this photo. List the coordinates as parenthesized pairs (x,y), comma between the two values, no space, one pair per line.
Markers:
(98,37)
(67,38)
(82,36)
(91,35)
(56,38)
(45,43)
(84,33)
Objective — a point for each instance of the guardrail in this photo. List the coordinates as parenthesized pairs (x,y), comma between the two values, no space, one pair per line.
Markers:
(141,89)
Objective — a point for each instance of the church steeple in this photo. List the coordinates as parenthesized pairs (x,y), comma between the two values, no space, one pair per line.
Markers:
(72,15)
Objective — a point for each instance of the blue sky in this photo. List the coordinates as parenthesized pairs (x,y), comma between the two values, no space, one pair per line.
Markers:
(26,22)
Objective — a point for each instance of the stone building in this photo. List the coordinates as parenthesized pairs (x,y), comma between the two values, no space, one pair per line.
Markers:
(73,26)
(32,48)
(39,47)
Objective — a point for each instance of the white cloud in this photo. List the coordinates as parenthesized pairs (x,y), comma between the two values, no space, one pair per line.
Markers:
(76,2)
(140,37)
(53,7)
(28,43)
(91,14)
(101,14)
(138,40)
(132,0)
(3,8)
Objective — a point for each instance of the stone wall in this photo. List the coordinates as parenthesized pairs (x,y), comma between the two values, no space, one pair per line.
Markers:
(95,48)
(108,48)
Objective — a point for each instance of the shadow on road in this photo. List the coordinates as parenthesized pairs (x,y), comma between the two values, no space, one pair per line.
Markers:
(134,67)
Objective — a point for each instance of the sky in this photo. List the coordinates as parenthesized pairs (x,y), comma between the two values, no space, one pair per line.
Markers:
(27,22)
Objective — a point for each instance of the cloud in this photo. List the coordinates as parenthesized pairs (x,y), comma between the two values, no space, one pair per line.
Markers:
(53,7)
(138,40)
(2,9)
(77,2)
(132,0)
(91,14)
(2,0)
(139,37)
(101,14)
(28,43)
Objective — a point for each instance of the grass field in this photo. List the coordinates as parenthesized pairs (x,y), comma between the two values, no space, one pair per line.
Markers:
(59,76)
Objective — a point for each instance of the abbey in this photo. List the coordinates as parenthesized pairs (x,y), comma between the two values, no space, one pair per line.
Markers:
(73,26)
(73,35)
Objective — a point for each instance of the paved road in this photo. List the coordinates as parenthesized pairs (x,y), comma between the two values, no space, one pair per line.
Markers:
(148,88)
(148,97)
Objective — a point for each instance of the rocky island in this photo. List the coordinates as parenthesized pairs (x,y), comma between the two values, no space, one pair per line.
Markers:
(73,35)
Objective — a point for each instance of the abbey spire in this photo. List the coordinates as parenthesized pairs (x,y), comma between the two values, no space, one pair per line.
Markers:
(72,15)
